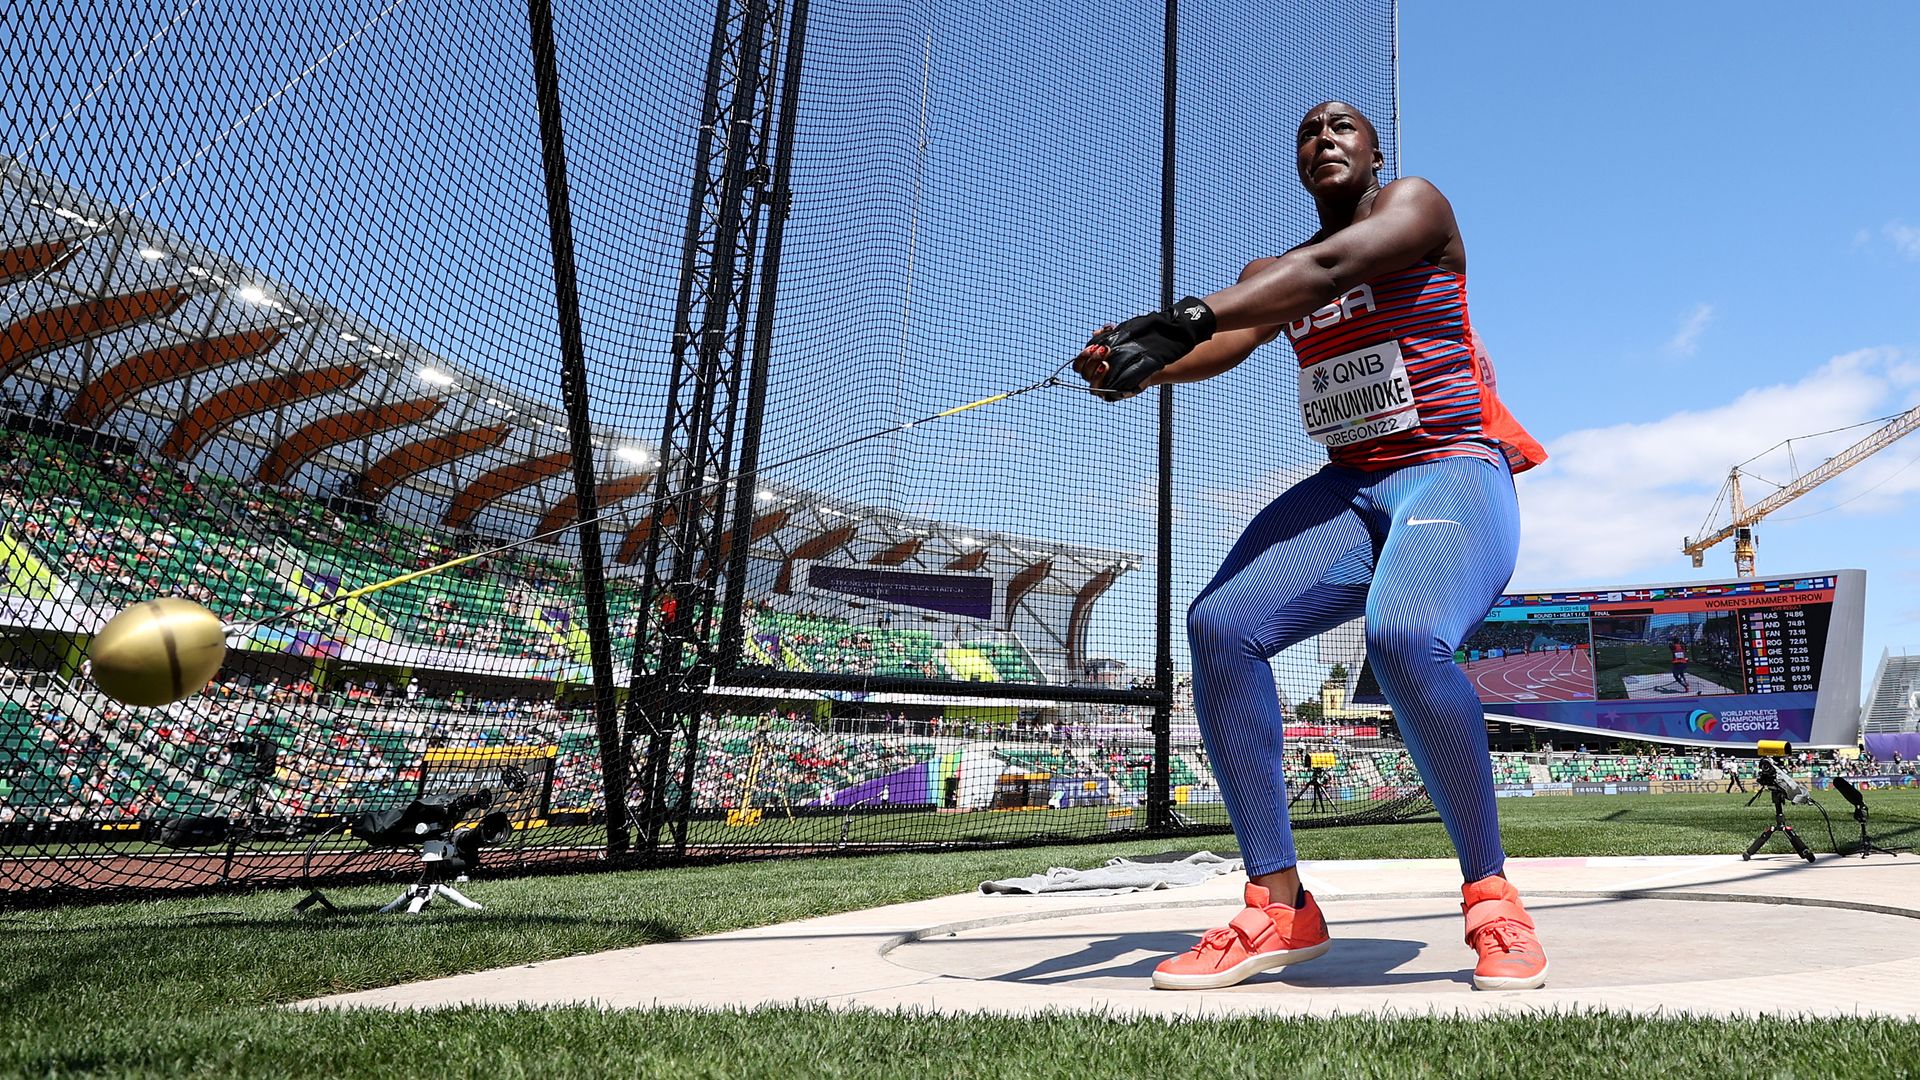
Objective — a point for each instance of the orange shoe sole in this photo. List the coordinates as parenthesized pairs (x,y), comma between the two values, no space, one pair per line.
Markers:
(1240,972)
(1511,982)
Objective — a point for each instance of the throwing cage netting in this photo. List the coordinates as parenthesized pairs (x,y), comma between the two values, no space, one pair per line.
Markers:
(660,304)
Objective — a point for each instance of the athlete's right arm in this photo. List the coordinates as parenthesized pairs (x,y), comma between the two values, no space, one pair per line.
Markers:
(1223,351)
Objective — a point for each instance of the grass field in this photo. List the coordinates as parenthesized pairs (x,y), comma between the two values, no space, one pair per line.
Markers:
(180,986)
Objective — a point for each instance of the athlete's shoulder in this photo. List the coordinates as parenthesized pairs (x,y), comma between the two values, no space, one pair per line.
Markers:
(1416,191)
(1258,265)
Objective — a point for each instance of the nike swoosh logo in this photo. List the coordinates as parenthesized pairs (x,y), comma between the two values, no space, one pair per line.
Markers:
(1431,521)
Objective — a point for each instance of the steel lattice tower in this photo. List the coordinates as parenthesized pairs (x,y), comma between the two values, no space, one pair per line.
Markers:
(721,329)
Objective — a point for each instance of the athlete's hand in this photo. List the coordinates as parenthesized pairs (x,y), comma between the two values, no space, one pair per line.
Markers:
(1091,363)
(1119,360)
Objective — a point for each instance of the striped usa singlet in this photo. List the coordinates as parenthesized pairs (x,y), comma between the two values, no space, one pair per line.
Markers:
(1391,374)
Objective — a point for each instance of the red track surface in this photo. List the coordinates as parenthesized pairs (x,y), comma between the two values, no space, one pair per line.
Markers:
(187,870)
(1545,676)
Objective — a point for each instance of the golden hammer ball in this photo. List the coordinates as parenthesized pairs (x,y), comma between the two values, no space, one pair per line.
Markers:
(158,651)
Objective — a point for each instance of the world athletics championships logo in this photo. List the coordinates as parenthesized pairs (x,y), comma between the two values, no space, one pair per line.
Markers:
(1703,721)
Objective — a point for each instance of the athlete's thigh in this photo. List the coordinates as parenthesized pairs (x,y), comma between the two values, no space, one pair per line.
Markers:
(1308,551)
(1450,547)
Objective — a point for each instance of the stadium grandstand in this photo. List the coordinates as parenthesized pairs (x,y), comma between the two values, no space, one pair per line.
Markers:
(74,760)
(176,423)
(1893,701)
(268,365)
(173,422)
(1890,719)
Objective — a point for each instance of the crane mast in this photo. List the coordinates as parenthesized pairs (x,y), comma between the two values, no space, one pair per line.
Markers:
(1742,518)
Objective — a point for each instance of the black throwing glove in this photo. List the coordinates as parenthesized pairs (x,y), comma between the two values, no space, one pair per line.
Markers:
(1144,344)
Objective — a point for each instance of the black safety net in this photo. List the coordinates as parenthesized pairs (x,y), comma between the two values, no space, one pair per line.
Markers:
(636,429)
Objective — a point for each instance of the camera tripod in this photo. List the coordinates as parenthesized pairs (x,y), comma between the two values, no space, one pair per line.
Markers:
(1320,800)
(439,862)
(1779,825)
(420,894)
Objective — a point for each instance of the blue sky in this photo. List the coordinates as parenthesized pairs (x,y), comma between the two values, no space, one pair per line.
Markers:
(1693,231)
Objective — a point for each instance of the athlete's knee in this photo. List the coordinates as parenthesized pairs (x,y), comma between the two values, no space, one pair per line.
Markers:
(1214,624)
(1409,641)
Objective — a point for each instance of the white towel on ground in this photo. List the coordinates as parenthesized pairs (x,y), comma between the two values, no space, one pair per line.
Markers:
(1117,876)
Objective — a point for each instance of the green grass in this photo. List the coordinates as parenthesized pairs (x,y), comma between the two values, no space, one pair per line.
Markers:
(178,986)
(1667,824)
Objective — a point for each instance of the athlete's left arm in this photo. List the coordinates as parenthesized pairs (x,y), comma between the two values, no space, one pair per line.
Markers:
(1410,221)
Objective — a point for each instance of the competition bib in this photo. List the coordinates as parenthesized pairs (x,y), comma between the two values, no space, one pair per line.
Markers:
(1357,396)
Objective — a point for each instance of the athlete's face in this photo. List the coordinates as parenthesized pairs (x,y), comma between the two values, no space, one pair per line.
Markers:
(1336,151)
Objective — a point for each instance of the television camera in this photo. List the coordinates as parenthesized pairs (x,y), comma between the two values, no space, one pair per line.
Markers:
(449,836)
(1776,781)
(1319,777)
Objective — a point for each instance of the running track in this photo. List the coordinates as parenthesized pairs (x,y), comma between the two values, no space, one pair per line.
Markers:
(1547,676)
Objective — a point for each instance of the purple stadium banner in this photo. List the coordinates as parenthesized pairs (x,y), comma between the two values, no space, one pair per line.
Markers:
(966,595)
(1884,745)
(907,787)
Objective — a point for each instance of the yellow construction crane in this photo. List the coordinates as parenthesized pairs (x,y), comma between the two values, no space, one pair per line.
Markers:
(1742,518)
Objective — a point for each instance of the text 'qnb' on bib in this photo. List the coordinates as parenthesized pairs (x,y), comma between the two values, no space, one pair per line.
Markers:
(1357,396)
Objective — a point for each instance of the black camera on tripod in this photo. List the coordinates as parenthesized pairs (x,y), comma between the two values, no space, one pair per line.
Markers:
(451,857)
(450,850)
(1781,783)
(420,821)
(1777,782)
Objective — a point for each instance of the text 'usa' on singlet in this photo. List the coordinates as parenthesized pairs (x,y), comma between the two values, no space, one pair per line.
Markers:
(1391,374)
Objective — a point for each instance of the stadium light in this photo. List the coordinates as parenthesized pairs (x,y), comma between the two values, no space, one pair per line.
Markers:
(968,541)
(633,454)
(152,254)
(344,336)
(253,294)
(764,495)
(435,376)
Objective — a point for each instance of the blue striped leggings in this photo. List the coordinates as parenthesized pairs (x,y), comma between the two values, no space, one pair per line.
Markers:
(1422,551)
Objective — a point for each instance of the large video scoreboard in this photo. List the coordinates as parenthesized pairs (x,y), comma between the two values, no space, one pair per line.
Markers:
(1720,663)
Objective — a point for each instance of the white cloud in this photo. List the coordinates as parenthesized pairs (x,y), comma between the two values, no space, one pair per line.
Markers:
(1686,339)
(1614,502)
(1905,237)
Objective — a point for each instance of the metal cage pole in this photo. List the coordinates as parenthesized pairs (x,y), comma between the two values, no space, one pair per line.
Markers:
(779,198)
(573,389)
(1159,782)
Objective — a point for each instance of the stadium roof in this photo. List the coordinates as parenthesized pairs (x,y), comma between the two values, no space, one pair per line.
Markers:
(200,358)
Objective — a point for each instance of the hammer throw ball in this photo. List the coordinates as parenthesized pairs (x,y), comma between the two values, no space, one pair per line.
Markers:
(158,651)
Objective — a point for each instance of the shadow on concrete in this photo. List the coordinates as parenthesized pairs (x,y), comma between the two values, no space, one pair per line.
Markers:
(1363,962)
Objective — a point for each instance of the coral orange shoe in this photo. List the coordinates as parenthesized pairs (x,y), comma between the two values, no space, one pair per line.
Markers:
(1262,937)
(1501,931)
